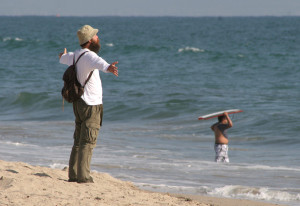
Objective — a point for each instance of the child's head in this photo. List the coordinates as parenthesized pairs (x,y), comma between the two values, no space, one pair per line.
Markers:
(221,118)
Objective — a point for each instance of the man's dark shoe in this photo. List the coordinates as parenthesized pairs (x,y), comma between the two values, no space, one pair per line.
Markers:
(90,180)
(72,180)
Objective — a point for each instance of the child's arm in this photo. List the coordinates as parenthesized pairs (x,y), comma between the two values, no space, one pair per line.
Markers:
(230,124)
(213,127)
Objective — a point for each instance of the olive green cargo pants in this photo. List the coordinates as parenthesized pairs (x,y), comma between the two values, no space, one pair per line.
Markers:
(88,120)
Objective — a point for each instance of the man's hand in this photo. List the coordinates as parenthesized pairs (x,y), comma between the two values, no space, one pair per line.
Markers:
(65,51)
(113,69)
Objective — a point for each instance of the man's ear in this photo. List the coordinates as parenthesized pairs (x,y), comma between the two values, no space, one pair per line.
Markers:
(88,44)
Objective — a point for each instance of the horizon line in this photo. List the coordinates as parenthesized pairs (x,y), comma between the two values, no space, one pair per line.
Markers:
(146,16)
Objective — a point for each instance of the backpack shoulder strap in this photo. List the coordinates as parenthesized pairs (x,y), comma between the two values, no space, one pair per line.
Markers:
(79,57)
(90,75)
(86,81)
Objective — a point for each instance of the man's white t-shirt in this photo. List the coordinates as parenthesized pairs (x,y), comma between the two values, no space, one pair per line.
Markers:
(90,61)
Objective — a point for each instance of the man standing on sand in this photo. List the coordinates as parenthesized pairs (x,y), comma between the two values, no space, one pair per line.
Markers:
(88,110)
(221,138)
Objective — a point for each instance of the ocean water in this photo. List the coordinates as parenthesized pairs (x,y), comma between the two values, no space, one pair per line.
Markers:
(171,70)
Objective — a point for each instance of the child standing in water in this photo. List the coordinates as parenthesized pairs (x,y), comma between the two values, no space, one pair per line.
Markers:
(221,138)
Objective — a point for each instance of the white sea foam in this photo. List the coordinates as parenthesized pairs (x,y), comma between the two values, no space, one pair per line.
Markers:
(109,44)
(237,191)
(192,49)
(18,39)
(58,166)
(9,38)
(266,167)
(229,191)
(17,144)
(172,189)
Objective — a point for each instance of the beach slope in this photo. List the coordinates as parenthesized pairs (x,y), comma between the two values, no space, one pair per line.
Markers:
(24,184)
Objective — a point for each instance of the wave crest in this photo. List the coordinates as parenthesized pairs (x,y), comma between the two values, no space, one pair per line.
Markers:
(190,49)
(237,191)
(5,39)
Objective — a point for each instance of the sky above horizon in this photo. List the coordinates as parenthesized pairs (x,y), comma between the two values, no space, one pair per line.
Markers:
(151,7)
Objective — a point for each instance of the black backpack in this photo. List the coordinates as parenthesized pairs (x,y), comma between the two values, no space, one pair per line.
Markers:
(72,89)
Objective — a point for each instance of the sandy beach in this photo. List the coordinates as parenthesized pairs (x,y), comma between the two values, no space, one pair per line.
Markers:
(24,184)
